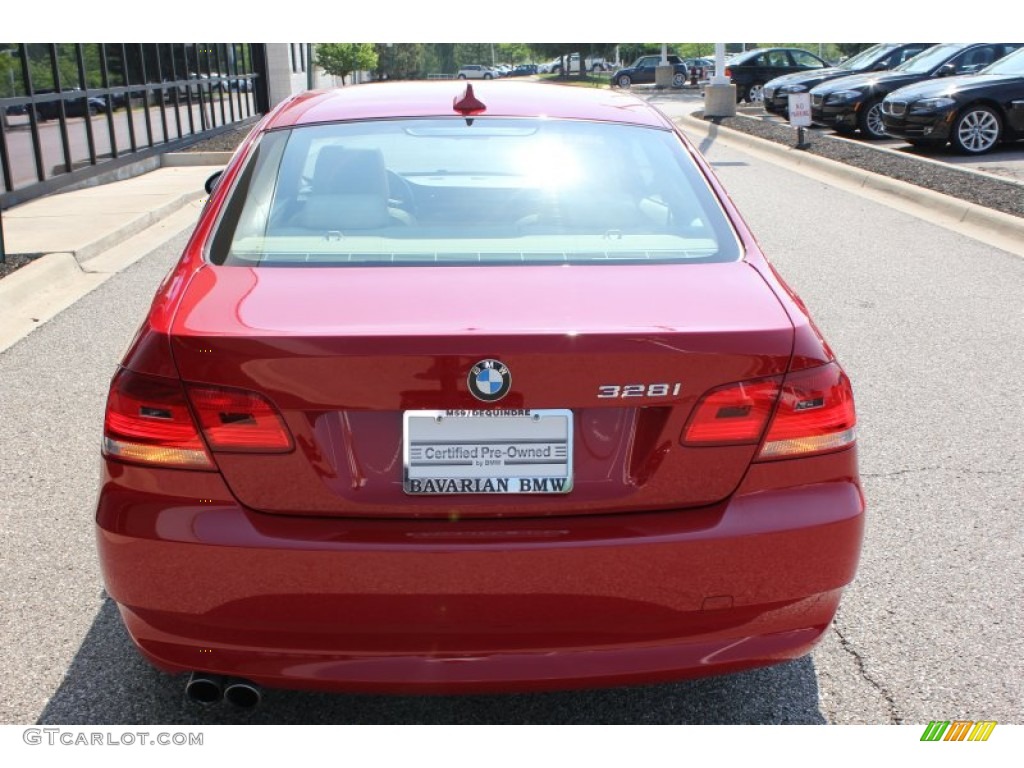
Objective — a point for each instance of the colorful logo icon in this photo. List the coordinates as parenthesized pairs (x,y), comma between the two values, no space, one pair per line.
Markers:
(958,730)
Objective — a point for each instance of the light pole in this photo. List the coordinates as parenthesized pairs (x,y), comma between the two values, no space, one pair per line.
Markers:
(720,94)
(663,72)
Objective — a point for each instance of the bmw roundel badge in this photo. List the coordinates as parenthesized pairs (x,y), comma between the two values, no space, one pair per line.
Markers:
(489,380)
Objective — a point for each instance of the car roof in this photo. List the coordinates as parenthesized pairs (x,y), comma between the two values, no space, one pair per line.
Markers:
(375,101)
(754,51)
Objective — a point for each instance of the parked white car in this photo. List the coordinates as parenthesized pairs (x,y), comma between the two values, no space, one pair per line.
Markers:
(476,72)
(594,64)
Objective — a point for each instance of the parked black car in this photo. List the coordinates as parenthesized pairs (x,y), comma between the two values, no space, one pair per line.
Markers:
(643,69)
(855,103)
(73,107)
(877,58)
(751,70)
(973,112)
(519,70)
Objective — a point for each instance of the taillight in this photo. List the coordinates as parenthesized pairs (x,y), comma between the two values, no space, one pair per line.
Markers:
(728,72)
(237,420)
(148,421)
(814,414)
(735,414)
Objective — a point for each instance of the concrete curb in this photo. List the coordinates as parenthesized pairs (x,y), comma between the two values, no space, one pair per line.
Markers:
(994,227)
(140,223)
(47,286)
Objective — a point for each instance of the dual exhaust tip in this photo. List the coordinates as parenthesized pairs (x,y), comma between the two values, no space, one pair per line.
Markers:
(209,689)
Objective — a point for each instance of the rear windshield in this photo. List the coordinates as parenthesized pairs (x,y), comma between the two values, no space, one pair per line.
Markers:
(471,191)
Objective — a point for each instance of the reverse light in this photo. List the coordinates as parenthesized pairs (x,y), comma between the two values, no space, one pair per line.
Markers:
(810,412)
(148,421)
(815,414)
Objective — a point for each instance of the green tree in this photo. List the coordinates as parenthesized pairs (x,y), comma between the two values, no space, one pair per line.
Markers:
(10,70)
(512,53)
(472,53)
(342,59)
(565,51)
(400,61)
(441,58)
(851,49)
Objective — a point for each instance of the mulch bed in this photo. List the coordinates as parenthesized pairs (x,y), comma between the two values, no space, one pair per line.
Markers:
(982,190)
(12,263)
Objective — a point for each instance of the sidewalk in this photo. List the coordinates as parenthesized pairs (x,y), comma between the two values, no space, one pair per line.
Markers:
(79,239)
(87,221)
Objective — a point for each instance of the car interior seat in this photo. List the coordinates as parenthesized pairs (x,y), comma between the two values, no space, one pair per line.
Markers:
(349,191)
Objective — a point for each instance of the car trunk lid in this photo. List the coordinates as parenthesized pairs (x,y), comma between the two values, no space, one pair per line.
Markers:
(344,353)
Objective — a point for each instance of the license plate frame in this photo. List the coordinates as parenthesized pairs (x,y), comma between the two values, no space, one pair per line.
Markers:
(487,451)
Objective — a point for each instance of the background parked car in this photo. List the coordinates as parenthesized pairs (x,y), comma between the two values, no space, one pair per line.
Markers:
(751,70)
(519,70)
(643,69)
(75,107)
(476,72)
(705,67)
(593,63)
(855,102)
(973,112)
(877,58)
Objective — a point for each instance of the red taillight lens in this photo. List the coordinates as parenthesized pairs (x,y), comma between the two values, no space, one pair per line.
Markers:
(735,414)
(728,72)
(236,420)
(148,421)
(815,414)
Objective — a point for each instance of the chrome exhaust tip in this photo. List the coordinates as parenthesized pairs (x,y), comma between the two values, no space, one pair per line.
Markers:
(243,694)
(204,688)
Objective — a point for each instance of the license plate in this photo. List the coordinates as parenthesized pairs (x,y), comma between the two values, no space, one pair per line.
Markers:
(487,451)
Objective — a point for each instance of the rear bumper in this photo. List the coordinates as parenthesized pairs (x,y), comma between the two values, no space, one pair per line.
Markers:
(482,605)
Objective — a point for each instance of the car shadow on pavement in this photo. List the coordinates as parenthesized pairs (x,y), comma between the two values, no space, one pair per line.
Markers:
(108,682)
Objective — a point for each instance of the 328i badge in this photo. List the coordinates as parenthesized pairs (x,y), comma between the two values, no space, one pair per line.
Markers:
(320,472)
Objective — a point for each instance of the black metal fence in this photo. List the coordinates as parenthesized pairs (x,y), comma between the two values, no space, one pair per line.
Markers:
(69,111)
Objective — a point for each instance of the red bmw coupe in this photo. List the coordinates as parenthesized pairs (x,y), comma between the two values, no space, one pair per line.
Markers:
(461,392)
